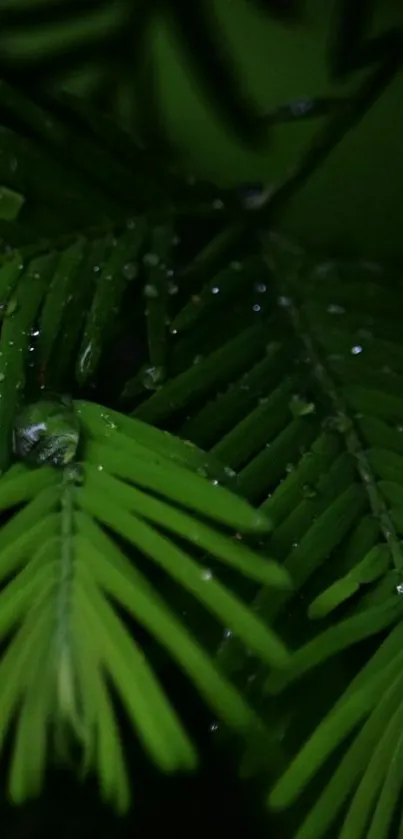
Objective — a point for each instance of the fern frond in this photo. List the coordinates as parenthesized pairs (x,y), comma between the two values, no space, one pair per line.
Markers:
(336,507)
(64,571)
(312,425)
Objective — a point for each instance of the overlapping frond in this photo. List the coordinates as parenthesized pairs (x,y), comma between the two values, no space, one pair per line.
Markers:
(356,354)
(310,418)
(63,569)
(332,469)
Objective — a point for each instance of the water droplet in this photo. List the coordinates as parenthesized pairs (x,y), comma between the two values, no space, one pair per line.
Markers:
(284,302)
(261,288)
(152,377)
(130,271)
(227,633)
(356,350)
(256,307)
(109,422)
(206,574)
(289,468)
(399,588)
(172,288)
(151,259)
(2,377)
(301,407)
(100,467)
(214,726)
(215,482)
(215,290)
(254,196)
(301,107)
(12,306)
(335,309)
(151,291)
(325,268)
(85,358)
(229,472)
(340,423)
(96,268)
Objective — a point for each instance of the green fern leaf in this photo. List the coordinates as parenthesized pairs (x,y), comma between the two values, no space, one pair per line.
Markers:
(63,571)
(332,473)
